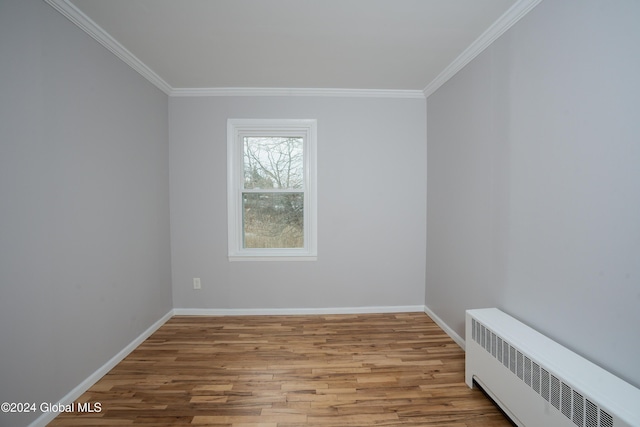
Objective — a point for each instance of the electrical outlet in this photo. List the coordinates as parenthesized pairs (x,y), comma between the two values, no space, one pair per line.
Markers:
(196,283)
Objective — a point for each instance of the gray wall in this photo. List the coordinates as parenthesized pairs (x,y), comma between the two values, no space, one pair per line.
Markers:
(534,181)
(371,206)
(84,205)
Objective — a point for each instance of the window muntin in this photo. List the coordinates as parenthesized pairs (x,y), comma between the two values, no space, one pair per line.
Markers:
(272,197)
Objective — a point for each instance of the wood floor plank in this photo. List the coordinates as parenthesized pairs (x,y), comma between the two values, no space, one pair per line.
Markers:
(397,369)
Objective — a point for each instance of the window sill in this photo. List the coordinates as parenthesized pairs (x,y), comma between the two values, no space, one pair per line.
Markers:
(234,258)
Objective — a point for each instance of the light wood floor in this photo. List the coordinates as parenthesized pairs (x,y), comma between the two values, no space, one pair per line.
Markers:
(276,371)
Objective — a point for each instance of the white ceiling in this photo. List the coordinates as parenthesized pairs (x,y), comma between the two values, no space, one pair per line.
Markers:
(342,44)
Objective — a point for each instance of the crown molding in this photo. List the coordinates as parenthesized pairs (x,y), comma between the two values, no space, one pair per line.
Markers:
(75,15)
(506,21)
(101,36)
(326,92)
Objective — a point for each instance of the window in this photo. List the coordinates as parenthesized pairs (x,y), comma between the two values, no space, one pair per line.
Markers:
(271,174)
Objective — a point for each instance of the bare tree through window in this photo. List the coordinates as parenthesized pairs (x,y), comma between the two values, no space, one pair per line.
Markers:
(274,205)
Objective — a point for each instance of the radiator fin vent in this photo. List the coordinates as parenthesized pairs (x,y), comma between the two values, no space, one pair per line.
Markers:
(566,400)
(519,367)
(505,354)
(555,392)
(527,371)
(494,344)
(569,401)
(578,409)
(592,414)
(545,384)
(512,359)
(606,420)
(536,378)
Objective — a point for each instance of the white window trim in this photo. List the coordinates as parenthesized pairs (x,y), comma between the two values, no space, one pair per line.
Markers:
(236,130)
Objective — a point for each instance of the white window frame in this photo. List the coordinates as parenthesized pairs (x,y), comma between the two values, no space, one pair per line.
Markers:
(237,129)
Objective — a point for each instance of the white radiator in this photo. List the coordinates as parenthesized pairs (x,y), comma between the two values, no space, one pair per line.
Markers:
(538,382)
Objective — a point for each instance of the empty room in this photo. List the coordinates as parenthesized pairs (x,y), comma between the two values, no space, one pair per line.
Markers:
(320,213)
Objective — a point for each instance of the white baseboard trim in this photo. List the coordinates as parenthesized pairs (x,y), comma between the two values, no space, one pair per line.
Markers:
(293,311)
(47,417)
(454,336)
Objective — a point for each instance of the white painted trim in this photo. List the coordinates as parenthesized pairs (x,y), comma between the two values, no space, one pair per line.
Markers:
(294,311)
(74,394)
(75,15)
(506,21)
(47,417)
(86,24)
(454,336)
(323,92)
(237,129)
(272,258)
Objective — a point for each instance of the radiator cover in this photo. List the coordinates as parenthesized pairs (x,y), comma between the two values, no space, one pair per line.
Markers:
(538,382)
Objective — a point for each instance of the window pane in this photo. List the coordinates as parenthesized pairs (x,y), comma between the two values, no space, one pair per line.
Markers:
(273,162)
(273,220)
